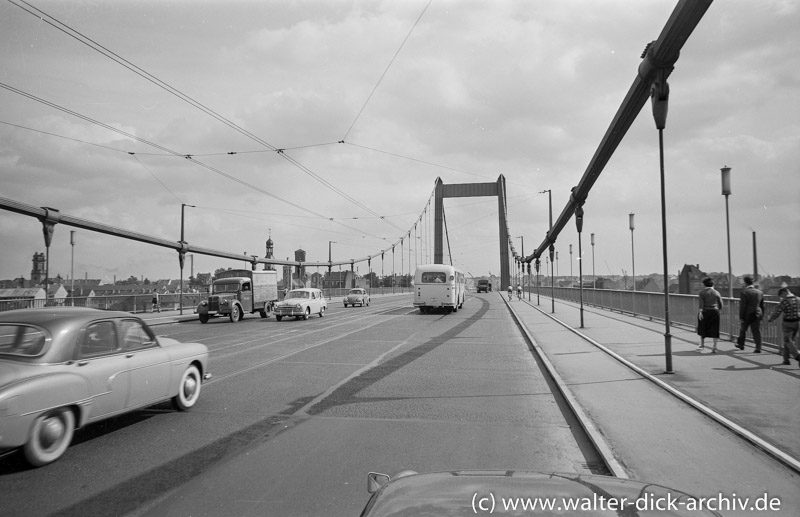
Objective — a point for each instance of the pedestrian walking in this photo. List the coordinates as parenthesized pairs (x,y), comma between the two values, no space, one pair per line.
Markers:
(708,316)
(156,307)
(790,308)
(751,310)
(519,292)
(510,293)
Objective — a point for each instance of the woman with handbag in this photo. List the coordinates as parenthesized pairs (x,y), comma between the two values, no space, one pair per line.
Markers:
(708,317)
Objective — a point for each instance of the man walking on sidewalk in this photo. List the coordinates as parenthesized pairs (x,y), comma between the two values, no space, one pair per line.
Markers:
(790,308)
(751,310)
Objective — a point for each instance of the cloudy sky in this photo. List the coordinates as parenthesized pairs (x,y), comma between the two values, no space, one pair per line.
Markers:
(370,102)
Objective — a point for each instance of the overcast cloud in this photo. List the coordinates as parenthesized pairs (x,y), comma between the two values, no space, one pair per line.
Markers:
(525,89)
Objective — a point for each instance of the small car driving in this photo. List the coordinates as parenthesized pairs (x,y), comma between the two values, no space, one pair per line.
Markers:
(357,296)
(301,303)
(62,368)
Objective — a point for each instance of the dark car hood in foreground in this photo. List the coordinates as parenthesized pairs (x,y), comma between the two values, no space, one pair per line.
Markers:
(497,492)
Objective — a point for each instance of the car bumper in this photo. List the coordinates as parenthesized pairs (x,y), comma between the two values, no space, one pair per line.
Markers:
(289,311)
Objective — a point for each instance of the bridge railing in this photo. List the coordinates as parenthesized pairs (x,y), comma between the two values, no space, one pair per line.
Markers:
(144,302)
(683,309)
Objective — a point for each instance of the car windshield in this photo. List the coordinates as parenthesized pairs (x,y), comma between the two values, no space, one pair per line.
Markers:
(297,294)
(356,291)
(226,288)
(21,340)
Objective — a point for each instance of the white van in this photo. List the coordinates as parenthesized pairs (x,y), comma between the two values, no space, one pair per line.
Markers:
(439,286)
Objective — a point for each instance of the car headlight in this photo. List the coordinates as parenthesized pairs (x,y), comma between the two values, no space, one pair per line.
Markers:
(224,302)
(298,306)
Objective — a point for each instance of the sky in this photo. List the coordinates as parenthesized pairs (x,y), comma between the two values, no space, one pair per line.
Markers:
(335,118)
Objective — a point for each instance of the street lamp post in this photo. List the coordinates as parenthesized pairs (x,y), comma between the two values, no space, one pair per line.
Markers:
(330,267)
(72,265)
(537,265)
(659,97)
(579,224)
(552,248)
(633,265)
(182,255)
(522,262)
(594,278)
(726,191)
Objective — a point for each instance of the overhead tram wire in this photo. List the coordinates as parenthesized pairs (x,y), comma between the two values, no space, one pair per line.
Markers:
(50,20)
(380,79)
(170,151)
(66,29)
(172,154)
(75,34)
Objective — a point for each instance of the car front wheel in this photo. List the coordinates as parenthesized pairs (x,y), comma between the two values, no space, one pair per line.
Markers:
(50,436)
(204,318)
(321,312)
(188,390)
(307,313)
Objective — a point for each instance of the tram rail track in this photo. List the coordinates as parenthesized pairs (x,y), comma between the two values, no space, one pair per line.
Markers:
(741,431)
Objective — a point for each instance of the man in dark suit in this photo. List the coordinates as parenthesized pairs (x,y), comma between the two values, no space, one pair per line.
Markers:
(751,310)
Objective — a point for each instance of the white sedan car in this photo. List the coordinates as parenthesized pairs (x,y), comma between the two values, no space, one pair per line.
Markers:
(301,303)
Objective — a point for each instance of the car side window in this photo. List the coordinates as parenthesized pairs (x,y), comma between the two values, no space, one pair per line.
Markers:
(21,340)
(246,286)
(135,336)
(99,339)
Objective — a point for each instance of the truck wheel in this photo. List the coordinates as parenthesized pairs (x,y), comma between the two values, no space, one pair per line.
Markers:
(204,318)
(264,314)
(307,313)
(234,316)
(278,317)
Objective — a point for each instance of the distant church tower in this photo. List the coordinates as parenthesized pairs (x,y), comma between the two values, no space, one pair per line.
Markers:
(38,271)
(270,251)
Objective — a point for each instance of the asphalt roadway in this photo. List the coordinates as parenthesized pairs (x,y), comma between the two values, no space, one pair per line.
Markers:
(723,426)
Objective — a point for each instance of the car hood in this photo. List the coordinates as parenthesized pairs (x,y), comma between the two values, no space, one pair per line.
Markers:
(471,492)
(291,302)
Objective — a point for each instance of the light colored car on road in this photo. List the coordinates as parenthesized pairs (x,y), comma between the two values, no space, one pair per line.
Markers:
(62,368)
(356,296)
(301,303)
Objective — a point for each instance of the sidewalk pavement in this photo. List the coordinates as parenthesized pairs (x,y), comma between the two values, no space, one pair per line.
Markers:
(704,428)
